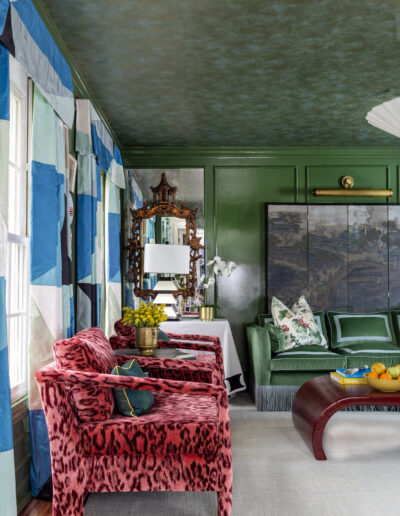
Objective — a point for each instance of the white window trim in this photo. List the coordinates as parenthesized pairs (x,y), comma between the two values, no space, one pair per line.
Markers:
(20,89)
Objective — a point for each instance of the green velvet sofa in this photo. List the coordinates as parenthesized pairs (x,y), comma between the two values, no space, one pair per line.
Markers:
(275,377)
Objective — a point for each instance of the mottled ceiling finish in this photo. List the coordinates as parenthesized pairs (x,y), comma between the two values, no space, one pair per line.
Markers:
(237,72)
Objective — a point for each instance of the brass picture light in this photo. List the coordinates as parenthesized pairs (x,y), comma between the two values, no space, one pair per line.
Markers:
(348,190)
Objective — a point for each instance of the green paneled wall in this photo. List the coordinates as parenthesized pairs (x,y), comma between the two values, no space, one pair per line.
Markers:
(237,184)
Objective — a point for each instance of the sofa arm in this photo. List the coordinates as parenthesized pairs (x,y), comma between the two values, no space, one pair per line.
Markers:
(260,353)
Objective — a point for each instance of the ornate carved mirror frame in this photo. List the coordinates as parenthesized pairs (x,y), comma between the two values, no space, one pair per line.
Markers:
(163,203)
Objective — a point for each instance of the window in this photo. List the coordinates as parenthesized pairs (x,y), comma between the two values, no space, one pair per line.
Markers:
(18,242)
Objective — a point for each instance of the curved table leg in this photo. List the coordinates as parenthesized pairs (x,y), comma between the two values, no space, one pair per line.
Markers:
(312,430)
(312,408)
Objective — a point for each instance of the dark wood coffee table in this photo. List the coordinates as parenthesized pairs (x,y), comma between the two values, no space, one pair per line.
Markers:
(318,399)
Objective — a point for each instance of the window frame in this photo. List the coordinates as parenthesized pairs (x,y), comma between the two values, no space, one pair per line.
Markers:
(19,90)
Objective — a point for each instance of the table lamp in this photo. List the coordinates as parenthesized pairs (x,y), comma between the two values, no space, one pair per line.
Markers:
(166,259)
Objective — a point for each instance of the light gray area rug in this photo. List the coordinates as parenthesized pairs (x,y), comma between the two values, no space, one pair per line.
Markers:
(276,474)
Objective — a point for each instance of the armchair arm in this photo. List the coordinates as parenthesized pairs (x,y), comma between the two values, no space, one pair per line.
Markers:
(87,379)
(122,342)
(260,353)
(214,345)
(166,363)
(51,374)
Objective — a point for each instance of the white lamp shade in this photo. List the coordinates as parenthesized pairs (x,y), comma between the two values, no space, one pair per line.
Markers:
(165,299)
(166,286)
(166,259)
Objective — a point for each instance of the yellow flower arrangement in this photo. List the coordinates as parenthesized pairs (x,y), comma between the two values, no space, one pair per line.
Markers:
(147,315)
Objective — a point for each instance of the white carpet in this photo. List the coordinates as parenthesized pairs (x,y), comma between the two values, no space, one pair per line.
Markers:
(276,474)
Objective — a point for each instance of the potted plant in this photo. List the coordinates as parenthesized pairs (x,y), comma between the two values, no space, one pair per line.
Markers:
(146,320)
(215,268)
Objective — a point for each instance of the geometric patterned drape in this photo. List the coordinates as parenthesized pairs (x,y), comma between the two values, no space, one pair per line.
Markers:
(98,235)
(89,224)
(112,245)
(133,200)
(8,504)
(51,304)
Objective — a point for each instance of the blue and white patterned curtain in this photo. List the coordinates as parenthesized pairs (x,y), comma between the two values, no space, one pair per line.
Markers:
(98,246)
(51,304)
(51,291)
(133,200)
(8,502)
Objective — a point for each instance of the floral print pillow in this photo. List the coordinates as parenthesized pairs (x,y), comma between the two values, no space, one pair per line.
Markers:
(298,323)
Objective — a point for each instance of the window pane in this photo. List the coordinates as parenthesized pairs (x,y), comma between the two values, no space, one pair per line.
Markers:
(17,337)
(17,248)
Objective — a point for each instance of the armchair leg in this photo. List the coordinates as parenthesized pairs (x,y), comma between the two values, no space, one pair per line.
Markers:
(68,502)
(225,501)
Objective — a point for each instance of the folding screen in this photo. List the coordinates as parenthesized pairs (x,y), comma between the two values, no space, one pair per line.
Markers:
(341,257)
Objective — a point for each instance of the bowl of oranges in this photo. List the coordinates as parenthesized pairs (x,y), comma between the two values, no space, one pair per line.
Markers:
(382,378)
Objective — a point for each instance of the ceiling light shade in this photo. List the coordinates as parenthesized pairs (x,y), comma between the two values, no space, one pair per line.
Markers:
(386,116)
(166,259)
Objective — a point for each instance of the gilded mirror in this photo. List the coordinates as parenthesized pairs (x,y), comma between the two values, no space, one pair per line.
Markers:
(167,221)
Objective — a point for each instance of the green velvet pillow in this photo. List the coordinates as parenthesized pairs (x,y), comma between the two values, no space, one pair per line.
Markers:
(162,335)
(320,320)
(264,318)
(277,337)
(132,402)
(350,329)
(396,324)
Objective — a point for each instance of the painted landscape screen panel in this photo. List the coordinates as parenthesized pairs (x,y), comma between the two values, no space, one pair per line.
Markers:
(341,257)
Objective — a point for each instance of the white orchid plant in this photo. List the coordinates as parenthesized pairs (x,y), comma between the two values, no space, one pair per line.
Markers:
(216,267)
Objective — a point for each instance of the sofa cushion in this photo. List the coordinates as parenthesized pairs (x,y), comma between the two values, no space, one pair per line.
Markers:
(347,330)
(89,350)
(310,358)
(319,318)
(132,402)
(277,337)
(366,354)
(175,424)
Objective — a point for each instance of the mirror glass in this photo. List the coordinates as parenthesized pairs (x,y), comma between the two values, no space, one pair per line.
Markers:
(166,229)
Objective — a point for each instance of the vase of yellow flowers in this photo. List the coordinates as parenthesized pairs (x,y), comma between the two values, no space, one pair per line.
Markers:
(146,320)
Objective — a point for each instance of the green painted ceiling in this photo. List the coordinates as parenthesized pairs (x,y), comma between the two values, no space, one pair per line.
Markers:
(237,72)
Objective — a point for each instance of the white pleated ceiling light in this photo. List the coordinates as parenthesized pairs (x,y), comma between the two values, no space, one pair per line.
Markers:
(386,116)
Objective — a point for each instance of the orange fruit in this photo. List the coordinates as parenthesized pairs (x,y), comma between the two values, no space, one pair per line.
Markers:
(378,368)
(385,376)
(372,374)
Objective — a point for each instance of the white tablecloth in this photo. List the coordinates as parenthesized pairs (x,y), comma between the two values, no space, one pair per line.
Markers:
(234,381)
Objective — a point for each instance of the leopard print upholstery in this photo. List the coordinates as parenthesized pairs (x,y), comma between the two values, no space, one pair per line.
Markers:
(125,339)
(124,329)
(186,447)
(88,350)
(189,370)
(169,426)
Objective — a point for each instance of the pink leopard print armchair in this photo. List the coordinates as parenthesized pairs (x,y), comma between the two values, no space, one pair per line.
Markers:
(124,338)
(183,443)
